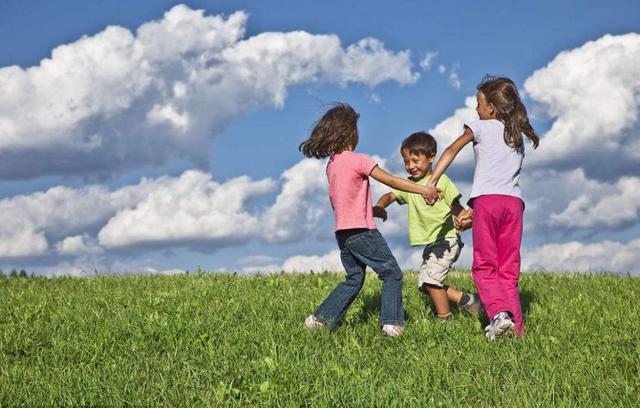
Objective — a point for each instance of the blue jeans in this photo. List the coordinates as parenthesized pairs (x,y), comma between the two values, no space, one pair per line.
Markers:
(360,248)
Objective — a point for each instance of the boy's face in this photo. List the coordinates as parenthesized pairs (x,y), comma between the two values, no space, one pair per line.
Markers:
(417,165)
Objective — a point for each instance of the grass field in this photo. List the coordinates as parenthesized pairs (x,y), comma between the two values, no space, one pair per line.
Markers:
(225,340)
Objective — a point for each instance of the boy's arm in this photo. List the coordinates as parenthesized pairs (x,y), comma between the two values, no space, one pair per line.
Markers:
(456,208)
(463,217)
(383,202)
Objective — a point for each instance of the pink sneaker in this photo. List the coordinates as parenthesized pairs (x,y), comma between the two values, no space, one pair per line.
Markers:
(392,330)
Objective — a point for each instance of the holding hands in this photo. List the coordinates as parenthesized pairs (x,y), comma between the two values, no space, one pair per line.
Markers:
(463,220)
(432,194)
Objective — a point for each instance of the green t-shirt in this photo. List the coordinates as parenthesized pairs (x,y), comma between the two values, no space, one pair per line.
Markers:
(427,223)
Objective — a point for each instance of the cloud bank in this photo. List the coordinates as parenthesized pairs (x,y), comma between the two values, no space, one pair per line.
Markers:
(122,100)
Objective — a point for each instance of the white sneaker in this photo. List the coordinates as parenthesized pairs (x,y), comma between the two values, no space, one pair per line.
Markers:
(500,324)
(392,330)
(311,323)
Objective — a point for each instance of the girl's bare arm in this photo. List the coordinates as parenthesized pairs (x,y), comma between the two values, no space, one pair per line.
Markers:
(401,184)
(448,155)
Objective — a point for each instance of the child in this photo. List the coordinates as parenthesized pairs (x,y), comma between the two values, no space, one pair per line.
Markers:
(496,199)
(432,226)
(335,135)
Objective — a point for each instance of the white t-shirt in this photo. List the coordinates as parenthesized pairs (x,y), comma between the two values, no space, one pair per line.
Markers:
(497,164)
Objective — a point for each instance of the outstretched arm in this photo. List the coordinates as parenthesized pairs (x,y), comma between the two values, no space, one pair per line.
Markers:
(448,155)
(401,184)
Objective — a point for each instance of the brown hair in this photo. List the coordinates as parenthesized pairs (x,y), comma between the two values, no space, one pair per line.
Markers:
(420,143)
(503,94)
(336,130)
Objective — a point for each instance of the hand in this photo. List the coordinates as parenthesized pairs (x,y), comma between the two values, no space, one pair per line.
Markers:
(380,212)
(432,195)
(464,220)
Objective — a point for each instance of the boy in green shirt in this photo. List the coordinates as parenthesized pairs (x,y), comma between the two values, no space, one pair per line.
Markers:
(432,226)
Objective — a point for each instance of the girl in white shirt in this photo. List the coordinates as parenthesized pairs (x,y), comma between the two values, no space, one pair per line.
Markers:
(496,199)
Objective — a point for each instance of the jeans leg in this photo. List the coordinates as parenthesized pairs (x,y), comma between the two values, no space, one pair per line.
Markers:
(372,250)
(335,306)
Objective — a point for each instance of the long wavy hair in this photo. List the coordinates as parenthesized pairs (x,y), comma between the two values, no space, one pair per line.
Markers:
(503,94)
(336,131)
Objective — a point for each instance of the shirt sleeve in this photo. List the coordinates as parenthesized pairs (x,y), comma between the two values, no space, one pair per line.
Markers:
(450,192)
(366,165)
(402,197)
(476,128)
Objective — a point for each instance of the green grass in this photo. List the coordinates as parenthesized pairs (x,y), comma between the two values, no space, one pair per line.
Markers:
(224,340)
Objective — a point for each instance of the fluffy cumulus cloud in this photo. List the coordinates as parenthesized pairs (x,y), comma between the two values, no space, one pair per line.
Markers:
(616,209)
(180,211)
(301,204)
(574,256)
(452,127)
(189,209)
(120,100)
(592,95)
(29,223)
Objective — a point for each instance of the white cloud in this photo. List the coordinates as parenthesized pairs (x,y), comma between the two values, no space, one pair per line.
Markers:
(425,63)
(454,79)
(592,93)
(120,100)
(317,263)
(29,222)
(78,244)
(302,202)
(447,131)
(189,209)
(20,239)
(619,208)
(604,256)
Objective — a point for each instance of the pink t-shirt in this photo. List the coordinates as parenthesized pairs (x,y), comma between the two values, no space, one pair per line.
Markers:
(349,191)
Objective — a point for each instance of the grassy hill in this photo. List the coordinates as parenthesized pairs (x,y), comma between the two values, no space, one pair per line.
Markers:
(224,340)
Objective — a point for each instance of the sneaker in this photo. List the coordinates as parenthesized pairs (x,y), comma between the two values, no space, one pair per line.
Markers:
(500,324)
(473,306)
(392,330)
(311,323)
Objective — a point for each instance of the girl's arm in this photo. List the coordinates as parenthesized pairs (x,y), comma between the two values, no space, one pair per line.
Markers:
(383,202)
(447,157)
(401,184)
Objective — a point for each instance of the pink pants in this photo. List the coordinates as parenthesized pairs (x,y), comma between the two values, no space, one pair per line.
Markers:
(497,233)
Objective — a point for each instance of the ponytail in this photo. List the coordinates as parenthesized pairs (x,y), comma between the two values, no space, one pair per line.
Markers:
(503,94)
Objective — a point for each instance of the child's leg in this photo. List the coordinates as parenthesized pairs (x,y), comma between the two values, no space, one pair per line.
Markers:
(335,306)
(453,294)
(371,249)
(487,213)
(437,260)
(439,299)
(509,259)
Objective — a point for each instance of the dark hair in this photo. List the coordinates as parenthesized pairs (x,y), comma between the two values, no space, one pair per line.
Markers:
(420,143)
(503,94)
(336,130)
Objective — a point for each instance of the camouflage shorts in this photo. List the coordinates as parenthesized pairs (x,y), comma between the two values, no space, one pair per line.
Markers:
(438,258)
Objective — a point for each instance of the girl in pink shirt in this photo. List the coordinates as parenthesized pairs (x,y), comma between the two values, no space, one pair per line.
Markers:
(496,200)
(335,136)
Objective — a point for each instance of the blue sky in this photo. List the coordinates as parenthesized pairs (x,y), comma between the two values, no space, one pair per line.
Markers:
(169,141)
